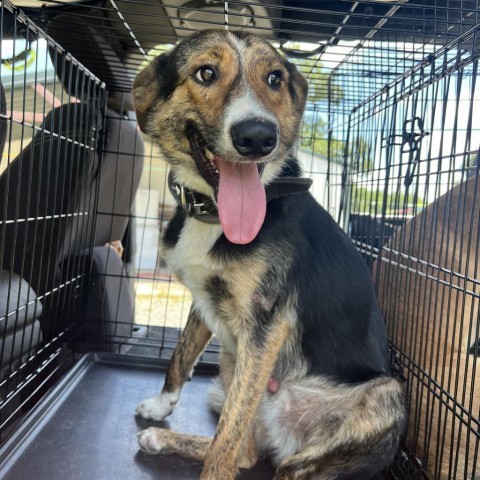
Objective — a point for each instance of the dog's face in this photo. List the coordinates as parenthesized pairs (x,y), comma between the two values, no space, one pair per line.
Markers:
(225,109)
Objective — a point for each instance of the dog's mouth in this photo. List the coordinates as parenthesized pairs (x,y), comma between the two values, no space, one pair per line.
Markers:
(207,162)
(204,159)
(239,192)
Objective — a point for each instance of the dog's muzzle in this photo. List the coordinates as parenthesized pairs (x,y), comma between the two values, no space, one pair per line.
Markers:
(254,138)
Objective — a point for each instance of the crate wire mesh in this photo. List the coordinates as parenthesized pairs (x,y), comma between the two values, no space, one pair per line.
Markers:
(389,137)
(421,131)
(45,217)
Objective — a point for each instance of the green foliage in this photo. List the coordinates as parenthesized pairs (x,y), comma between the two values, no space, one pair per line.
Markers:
(372,202)
(322,86)
(360,154)
(314,136)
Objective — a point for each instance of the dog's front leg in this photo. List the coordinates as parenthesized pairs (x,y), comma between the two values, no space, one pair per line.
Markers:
(191,344)
(257,351)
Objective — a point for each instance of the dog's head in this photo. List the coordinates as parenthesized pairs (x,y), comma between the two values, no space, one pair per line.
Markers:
(225,109)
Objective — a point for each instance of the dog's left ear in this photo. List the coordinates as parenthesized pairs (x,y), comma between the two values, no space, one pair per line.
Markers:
(145,91)
(297,86)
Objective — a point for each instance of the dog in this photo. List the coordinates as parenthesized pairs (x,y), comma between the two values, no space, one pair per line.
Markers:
(427,290)
(304,368)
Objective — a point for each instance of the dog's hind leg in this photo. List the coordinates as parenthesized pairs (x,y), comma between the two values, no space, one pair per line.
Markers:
(301,466)
(157,441)
(191,344)
(160,440)
(339,431)
(340,464)
(233,445)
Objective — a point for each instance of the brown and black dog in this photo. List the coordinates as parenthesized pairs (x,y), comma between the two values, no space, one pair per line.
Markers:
(304,366)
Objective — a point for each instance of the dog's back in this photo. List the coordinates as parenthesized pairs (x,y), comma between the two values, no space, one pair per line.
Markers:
(330,284)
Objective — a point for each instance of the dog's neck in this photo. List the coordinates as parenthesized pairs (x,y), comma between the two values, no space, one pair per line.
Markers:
(203,208)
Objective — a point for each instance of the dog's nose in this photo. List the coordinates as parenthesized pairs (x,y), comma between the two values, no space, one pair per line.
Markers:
(254,137)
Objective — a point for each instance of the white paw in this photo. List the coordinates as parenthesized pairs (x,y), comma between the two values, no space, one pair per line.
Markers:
(150,440)
(159,407)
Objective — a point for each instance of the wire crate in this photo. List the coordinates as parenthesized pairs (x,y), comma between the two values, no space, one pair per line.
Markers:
(389,137)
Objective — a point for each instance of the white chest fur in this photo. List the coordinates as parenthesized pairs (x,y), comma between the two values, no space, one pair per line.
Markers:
(190,259)
(191,262)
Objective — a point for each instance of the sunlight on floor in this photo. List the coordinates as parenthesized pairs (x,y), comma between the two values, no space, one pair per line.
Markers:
(161,303)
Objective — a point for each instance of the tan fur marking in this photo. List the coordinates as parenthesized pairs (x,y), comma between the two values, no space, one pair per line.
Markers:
(161,440)
(257,67)
(210,100)
(193,340)
(252,369)
(248,452)
(243,279)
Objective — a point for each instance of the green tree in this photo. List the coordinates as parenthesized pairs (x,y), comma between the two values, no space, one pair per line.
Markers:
(314,136)
(372,202)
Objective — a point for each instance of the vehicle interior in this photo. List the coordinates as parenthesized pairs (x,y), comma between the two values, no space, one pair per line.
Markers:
(89,311)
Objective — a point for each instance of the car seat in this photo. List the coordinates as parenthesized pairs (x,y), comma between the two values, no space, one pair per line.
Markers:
(77,181)
(19,305)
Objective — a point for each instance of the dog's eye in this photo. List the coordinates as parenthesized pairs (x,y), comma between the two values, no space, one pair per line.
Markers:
(274,79)
(205,74)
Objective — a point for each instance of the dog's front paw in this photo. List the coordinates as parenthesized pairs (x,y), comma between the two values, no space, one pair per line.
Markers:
(159,407)
(151,440)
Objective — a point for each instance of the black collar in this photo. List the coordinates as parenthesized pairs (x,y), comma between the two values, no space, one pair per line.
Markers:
(203,208)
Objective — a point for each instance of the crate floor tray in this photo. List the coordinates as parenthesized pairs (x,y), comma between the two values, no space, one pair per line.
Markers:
(86,427)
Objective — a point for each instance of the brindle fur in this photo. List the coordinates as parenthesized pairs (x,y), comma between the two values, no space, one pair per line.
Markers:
(295,303)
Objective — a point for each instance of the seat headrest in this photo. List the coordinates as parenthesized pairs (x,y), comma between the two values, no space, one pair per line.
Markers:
(93,50)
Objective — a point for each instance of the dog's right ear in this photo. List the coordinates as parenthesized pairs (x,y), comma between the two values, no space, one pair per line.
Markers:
(146,89)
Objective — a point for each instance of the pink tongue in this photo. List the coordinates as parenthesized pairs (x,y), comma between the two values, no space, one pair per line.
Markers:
(241,201)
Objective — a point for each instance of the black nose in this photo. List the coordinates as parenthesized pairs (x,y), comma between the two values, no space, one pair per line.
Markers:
(254,137)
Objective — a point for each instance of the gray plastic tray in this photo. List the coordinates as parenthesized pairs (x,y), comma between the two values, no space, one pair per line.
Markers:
(86,427)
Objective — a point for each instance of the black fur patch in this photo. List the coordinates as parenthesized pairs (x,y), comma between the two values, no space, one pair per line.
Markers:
(218,290)
(292,70)
(336,303)
(175,225)
(165,66)
(343,335)
(291,168)
(291,90)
